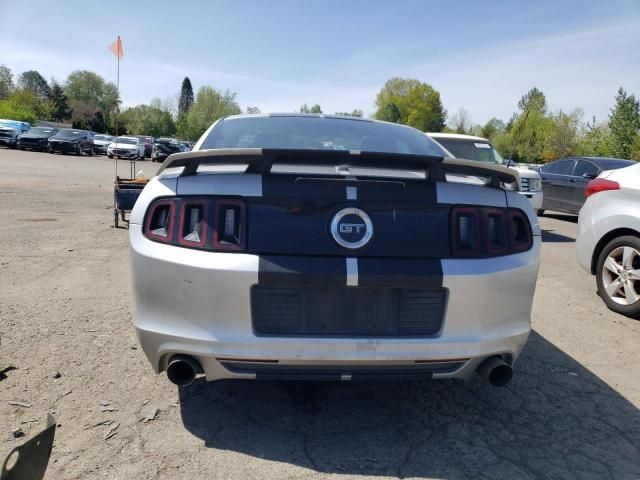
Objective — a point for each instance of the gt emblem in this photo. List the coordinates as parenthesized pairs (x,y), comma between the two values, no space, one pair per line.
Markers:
(351,228)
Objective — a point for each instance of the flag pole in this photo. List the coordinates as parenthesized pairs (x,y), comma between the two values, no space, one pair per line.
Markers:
(117,97)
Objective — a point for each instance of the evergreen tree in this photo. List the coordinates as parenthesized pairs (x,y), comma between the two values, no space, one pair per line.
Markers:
(59,99)
(186,97)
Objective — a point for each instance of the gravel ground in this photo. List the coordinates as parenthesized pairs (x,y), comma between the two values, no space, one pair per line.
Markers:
(570,412)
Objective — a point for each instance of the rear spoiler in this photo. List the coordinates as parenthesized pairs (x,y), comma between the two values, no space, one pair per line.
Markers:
(261,160)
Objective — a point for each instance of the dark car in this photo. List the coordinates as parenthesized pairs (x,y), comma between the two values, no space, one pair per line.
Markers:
(71,140)
(565,181)
(163,147)
(36,138)
(148,144)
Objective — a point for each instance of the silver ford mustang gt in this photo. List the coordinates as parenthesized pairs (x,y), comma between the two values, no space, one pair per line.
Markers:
(325,247)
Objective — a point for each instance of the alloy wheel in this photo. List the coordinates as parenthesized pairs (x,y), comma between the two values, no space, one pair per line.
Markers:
(621,275)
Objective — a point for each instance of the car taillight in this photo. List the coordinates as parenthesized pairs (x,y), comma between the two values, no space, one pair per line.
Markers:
(600,185)
(489,232)
(206,223)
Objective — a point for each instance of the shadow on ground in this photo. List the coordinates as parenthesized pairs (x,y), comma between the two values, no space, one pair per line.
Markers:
(565,217)
(555,420)
(549,236)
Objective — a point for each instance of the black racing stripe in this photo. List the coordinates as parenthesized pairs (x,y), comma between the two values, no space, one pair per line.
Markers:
(291,271)
(400,273)
(297,187)
(420,192)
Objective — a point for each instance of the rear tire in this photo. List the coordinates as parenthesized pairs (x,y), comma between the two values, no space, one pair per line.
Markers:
(618,275)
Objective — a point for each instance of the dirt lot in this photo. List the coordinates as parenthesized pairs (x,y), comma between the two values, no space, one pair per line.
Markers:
(570,412)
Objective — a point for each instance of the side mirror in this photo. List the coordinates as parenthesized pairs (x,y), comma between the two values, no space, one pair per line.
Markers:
(589,176)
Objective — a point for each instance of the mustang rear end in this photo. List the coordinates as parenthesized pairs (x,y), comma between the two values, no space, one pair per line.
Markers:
(255,259)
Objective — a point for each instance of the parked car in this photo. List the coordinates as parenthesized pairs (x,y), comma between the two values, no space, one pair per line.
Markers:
(185,146)
(129,148)
(148,144)
(608,243)
(313,247)
(36,138)
(101,143)
(163,147)
(564,181)
(71,140)
(10,130)
(480,149)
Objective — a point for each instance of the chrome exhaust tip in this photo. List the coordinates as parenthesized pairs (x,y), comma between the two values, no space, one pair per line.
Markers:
(495,371)
(182,370)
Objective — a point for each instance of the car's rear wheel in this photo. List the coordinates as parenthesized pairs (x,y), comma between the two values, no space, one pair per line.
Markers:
(618,275)
(79,149)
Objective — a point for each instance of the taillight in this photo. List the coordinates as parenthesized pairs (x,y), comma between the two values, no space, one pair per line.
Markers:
(207,223)
(489,232)
(600,185)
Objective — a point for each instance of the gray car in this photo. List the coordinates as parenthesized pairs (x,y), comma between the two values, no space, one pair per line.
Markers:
(323,247)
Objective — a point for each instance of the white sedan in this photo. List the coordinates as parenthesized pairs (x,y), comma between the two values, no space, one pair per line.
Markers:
(608,244)
(129,148)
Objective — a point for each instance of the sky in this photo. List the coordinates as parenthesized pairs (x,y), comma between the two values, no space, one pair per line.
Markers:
(278,54)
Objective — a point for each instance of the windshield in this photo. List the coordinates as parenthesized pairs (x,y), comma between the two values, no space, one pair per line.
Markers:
(41,131)
(479,150)
(126,141)
(68,133)
(107,138)
(319,133)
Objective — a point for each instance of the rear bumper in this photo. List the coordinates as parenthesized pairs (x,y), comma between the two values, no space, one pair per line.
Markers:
(198,303)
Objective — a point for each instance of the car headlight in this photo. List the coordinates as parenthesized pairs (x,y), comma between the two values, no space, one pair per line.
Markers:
(535,185)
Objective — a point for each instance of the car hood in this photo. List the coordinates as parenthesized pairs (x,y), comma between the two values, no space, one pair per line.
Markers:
(525,172)
(102,142)
(123,146)
(64,139)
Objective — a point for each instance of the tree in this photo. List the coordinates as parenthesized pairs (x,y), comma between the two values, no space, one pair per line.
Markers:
(186,97)
(24,106)
(152,119)
(564,135)
(89,93)
(595,140)
(59,100)
(418,103)
(389,112)
(492,128)
(210,104)
(6,82)
(624,122)
(314,109)
(32,80)
(353,113)
(253,110)
(460,121)
(534,99)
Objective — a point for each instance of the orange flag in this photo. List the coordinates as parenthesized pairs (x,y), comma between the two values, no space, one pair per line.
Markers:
(116,48)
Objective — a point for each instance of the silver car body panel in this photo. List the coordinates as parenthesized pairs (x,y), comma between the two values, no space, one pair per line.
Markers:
(198,302)
(607,211)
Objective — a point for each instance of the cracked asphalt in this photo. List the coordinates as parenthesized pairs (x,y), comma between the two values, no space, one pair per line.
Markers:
(571,411)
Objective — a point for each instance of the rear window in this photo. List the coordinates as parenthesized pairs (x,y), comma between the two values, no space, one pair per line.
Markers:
(477,150)
(319,133)
(614,163)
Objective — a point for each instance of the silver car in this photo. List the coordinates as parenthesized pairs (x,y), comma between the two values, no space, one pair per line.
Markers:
(608,243)
(324,247)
